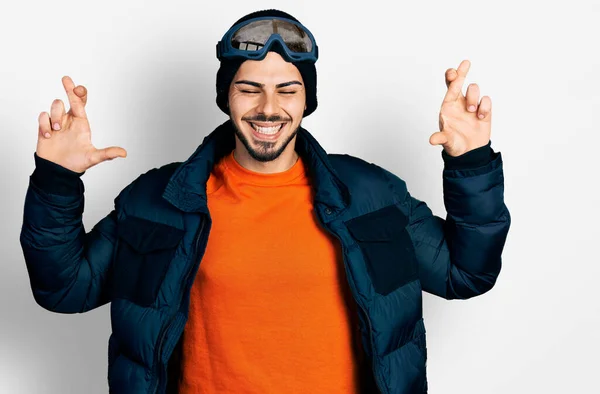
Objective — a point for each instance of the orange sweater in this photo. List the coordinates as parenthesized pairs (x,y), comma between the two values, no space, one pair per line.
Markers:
(270,311)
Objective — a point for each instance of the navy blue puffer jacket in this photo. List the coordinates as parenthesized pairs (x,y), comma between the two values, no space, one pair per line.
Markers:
(143,256)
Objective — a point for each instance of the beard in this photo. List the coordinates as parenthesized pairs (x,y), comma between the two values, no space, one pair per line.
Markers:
(265,151)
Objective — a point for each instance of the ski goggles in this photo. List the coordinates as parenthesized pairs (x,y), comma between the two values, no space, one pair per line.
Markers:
(252,39)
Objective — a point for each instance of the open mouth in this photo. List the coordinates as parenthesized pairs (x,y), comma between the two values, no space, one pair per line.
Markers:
(266,130)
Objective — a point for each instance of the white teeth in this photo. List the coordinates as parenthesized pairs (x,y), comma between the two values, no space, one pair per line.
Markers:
(267,130)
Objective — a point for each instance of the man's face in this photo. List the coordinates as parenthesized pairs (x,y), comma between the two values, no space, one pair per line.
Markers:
(266,102)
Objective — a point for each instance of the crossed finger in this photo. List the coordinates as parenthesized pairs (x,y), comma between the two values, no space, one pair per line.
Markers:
(455,87)
(77,98)
(482,108)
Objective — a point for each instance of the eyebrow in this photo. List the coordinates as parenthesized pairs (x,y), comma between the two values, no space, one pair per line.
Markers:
(261,85)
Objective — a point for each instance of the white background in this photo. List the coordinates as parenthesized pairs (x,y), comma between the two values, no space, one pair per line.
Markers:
(150,70)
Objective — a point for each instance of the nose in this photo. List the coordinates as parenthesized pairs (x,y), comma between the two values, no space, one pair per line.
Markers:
(268,104)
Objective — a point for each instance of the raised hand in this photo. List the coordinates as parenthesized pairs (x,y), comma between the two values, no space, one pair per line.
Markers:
(465,124)
(66,139)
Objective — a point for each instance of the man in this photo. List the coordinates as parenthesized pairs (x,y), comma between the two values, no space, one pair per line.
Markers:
(312,264)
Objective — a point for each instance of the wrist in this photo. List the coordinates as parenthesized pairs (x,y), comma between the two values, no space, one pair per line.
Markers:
(54,178)
(472,159)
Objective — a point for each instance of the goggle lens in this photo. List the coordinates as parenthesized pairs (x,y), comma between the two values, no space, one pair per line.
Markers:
(254,35)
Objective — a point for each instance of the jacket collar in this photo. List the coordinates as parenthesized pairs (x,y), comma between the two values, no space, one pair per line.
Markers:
(186,188)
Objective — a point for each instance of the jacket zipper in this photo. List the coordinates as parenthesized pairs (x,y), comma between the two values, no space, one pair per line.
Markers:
(158,354)
(354,292)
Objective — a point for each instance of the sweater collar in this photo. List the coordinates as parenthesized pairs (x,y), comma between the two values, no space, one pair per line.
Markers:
(293,175)
(186,188)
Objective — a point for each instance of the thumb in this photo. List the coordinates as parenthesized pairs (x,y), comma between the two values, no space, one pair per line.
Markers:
(438,138)
(109,153)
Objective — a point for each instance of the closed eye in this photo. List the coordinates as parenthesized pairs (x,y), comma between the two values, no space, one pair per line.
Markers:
(249,91)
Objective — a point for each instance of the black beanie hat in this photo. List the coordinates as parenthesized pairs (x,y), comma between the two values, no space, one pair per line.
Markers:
(229,67)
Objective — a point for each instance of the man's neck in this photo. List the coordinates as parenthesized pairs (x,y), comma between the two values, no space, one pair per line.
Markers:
(284,162)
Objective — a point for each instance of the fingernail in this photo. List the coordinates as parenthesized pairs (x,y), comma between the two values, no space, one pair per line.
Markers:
(481,116)
(56,126)
(472,108)
(47,135)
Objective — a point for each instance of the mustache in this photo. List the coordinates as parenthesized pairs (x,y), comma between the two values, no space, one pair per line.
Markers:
(264,118)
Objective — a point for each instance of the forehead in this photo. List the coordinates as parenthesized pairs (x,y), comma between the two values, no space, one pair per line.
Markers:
(273,69)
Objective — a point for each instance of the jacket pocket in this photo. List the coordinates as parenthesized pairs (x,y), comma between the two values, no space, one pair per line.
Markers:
(144,251)
(387,248)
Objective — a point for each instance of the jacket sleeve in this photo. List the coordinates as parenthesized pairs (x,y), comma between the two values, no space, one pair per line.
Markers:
(460,257)
(68,268)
